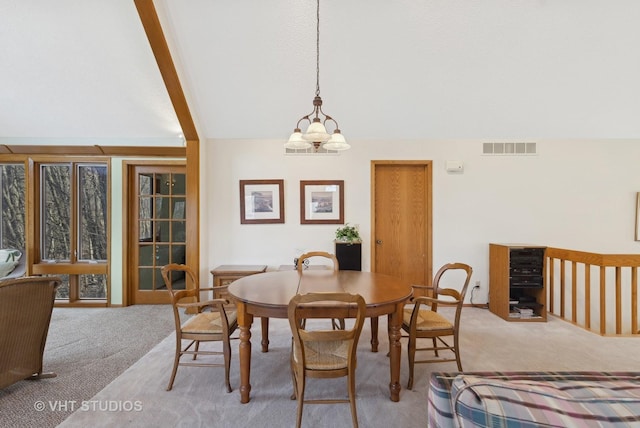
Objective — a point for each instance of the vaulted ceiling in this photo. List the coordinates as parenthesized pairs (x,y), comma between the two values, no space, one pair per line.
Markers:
(82,71)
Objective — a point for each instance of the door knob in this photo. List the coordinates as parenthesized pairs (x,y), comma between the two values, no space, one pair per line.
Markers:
(379,241)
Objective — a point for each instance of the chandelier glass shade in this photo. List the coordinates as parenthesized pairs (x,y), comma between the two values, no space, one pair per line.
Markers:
(316,134)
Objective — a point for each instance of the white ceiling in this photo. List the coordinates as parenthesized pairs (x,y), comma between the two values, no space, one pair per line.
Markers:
(82,70)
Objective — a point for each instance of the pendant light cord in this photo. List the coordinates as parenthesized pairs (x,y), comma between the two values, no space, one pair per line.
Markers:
(318,48)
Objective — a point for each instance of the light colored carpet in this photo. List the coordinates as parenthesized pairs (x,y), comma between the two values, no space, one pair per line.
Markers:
(87,348)
(138,396)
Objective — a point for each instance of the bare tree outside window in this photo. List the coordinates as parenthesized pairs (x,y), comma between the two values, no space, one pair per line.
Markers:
(56,212)
(12,213)
(92,234)
(75,223)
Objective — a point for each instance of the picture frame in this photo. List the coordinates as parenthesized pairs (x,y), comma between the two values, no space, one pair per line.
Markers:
(322,202)
(638,216)
(261,201)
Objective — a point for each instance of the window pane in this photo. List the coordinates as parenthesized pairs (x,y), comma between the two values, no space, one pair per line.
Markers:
(145,279)
(63,290)
(178,208)
(162,208)
(146,184)
(159,280)
(145,255)
(12,206)
(179,187)
(163,184)
(93,286)
(178,254)
(162,255)
(92,231)
(178,231)
(178,280)
(56,206)
(145,208)
(162,231)
(145,231)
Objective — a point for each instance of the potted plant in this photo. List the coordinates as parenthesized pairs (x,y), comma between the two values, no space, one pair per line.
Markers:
(348,234)
(349,247)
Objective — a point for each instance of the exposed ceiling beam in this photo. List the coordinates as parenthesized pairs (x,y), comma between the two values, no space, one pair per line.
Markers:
(158,43)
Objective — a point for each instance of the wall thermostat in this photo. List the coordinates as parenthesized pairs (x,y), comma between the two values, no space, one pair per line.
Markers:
(454,166)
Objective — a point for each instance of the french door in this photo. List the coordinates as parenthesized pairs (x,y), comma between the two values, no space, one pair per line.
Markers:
(157,229)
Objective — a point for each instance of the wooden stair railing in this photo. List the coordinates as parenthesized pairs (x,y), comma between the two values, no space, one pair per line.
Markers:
(605,283)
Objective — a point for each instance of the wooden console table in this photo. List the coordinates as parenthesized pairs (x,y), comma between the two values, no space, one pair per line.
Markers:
(226,274)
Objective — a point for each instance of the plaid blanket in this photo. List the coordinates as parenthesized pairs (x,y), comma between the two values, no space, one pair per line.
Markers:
(534,399)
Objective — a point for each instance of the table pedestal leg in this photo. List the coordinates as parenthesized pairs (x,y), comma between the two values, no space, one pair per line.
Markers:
(265,334)
(395,351)
(244,323)
(374,334)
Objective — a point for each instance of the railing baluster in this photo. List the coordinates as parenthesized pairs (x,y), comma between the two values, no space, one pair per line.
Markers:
(574,295)
(603,299)
(635,328)
(587,296)
(618,300)
(562,285)
(551,282)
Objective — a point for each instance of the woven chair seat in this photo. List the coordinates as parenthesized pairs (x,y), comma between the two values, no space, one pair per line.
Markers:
(323,355)
(207,322)
(427,320)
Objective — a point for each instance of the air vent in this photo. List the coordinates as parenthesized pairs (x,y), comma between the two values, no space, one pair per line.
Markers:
(311,151)
(509,149)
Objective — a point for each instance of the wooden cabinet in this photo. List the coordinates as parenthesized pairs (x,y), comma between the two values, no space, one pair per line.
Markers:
(226,274)
(517,282)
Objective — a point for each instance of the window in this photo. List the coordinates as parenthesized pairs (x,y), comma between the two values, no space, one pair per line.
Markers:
(12,206)
(73,232)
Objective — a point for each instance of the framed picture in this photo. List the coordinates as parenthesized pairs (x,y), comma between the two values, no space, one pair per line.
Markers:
(322,202)
(261,201)
(638,216)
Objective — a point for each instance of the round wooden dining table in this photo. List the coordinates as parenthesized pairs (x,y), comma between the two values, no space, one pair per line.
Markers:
(267,295)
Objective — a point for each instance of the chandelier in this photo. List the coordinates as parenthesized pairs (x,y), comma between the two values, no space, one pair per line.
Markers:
(316,134)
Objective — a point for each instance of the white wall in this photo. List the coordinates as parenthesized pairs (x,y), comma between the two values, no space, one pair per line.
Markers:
(115,263)
(573,194)
(432,81)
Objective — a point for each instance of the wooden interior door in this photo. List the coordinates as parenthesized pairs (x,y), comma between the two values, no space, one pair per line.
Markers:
(401,219)
(157,229)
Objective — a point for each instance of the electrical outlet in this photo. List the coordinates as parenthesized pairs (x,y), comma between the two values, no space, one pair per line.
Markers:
(477,284)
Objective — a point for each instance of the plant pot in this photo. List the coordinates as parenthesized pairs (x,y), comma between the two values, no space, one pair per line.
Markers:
(349,255)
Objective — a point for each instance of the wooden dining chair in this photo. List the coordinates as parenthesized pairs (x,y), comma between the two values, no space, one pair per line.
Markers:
(423,321)
(212,322)
(321,353)
(304,263)
(304,259)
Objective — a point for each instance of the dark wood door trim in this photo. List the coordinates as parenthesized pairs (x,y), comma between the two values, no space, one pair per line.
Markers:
(128,173)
